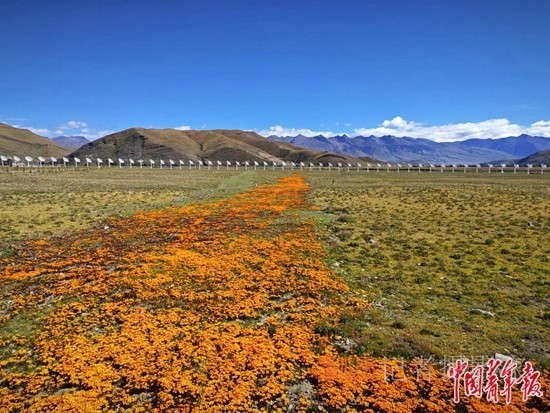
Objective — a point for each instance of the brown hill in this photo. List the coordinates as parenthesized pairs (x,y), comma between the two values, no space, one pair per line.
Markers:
(22,142)
(542,157)
(215,145)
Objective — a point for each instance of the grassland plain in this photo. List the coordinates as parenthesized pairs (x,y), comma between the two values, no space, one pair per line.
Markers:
(52,201)
(233,305)
(453,264)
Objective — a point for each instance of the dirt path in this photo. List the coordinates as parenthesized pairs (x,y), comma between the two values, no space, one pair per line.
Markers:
(225,307)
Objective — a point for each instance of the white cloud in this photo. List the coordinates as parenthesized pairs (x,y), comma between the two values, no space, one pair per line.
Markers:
(92,136)
(183,127)
(38,131)
(283,131)
(540,128)
(492,128)
(72,124)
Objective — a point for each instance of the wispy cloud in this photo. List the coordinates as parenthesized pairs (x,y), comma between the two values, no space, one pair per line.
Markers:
(283,131)
(72,124)
(92,136)
(183,127)
(38,131)
(73,128)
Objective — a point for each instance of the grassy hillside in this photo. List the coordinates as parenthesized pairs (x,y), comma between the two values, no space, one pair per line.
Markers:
(22,142)
(542,157)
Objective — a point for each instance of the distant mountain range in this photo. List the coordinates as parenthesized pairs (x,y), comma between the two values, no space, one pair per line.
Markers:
(71,143)
(222,145)
(23,142)
(395,149)
(238,145)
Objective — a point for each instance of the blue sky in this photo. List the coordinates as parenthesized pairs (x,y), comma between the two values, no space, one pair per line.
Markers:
(440,69)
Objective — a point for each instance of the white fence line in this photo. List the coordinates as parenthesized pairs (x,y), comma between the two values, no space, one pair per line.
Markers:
(129,163)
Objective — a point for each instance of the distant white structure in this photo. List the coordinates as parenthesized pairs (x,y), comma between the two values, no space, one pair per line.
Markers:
(88,162)
(41,161)
(99,162)
(110,162)
(151,163)
(378,167)
(120,162)
(29,160)
(388,166)
(76,161)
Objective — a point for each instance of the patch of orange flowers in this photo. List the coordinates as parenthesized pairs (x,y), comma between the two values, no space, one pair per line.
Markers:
(207,308)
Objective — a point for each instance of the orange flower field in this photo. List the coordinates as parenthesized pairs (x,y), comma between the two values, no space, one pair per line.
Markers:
(220,307)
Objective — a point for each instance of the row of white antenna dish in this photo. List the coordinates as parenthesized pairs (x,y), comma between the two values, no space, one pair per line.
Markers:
(198,164)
